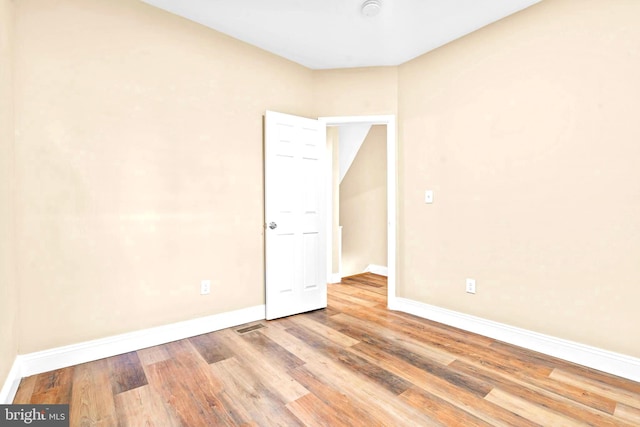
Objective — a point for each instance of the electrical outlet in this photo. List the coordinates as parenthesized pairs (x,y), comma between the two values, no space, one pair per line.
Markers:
(205,287)
(471,286)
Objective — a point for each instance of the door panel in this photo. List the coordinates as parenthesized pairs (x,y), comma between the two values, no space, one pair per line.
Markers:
(285,246)
(295,235)
(309,262)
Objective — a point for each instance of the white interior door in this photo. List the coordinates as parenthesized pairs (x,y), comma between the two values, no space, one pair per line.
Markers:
(295,209)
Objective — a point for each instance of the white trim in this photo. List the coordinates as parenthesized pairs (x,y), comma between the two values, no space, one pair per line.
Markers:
(339,249)
(377,269)
(335,278)
(390,122)
(60,357)
(592,357)
(11,384)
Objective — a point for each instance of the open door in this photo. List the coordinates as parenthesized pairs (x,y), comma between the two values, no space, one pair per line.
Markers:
(295,209)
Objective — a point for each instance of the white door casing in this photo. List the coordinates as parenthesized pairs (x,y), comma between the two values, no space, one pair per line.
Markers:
(295,215)
(390,122)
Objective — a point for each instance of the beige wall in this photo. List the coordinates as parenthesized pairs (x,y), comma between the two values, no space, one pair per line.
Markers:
(363,205)
(355,91)
(139,167)
(8,285)
(528,132)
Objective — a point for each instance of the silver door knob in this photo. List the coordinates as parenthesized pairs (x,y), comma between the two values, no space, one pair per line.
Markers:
(273,225)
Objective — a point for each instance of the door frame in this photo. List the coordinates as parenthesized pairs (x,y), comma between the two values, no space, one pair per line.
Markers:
(392,202)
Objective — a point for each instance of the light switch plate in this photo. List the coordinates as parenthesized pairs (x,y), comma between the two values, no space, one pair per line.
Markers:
(428,196)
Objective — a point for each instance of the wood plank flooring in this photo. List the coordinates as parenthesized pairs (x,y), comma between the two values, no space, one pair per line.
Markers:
(353,364)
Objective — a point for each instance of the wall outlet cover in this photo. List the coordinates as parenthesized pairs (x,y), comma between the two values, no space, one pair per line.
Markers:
(471,286)
(205,287)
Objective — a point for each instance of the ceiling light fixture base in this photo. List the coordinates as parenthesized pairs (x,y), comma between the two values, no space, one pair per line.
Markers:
(371,8)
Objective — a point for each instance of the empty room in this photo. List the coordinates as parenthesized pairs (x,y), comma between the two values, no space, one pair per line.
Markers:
(182,245)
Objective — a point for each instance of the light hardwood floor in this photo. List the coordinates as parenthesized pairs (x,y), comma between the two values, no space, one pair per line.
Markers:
(353,364)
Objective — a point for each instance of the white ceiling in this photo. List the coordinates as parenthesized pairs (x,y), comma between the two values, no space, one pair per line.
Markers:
(323,34)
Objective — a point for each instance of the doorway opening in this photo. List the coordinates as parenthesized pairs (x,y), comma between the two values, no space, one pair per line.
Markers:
(388,122)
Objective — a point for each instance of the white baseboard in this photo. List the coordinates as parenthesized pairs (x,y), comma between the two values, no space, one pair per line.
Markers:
(11,384)
(60,357)
(376,269)
(592,357)
(335,278)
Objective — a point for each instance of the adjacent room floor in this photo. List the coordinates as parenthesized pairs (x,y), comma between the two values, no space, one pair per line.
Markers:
(353,364)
